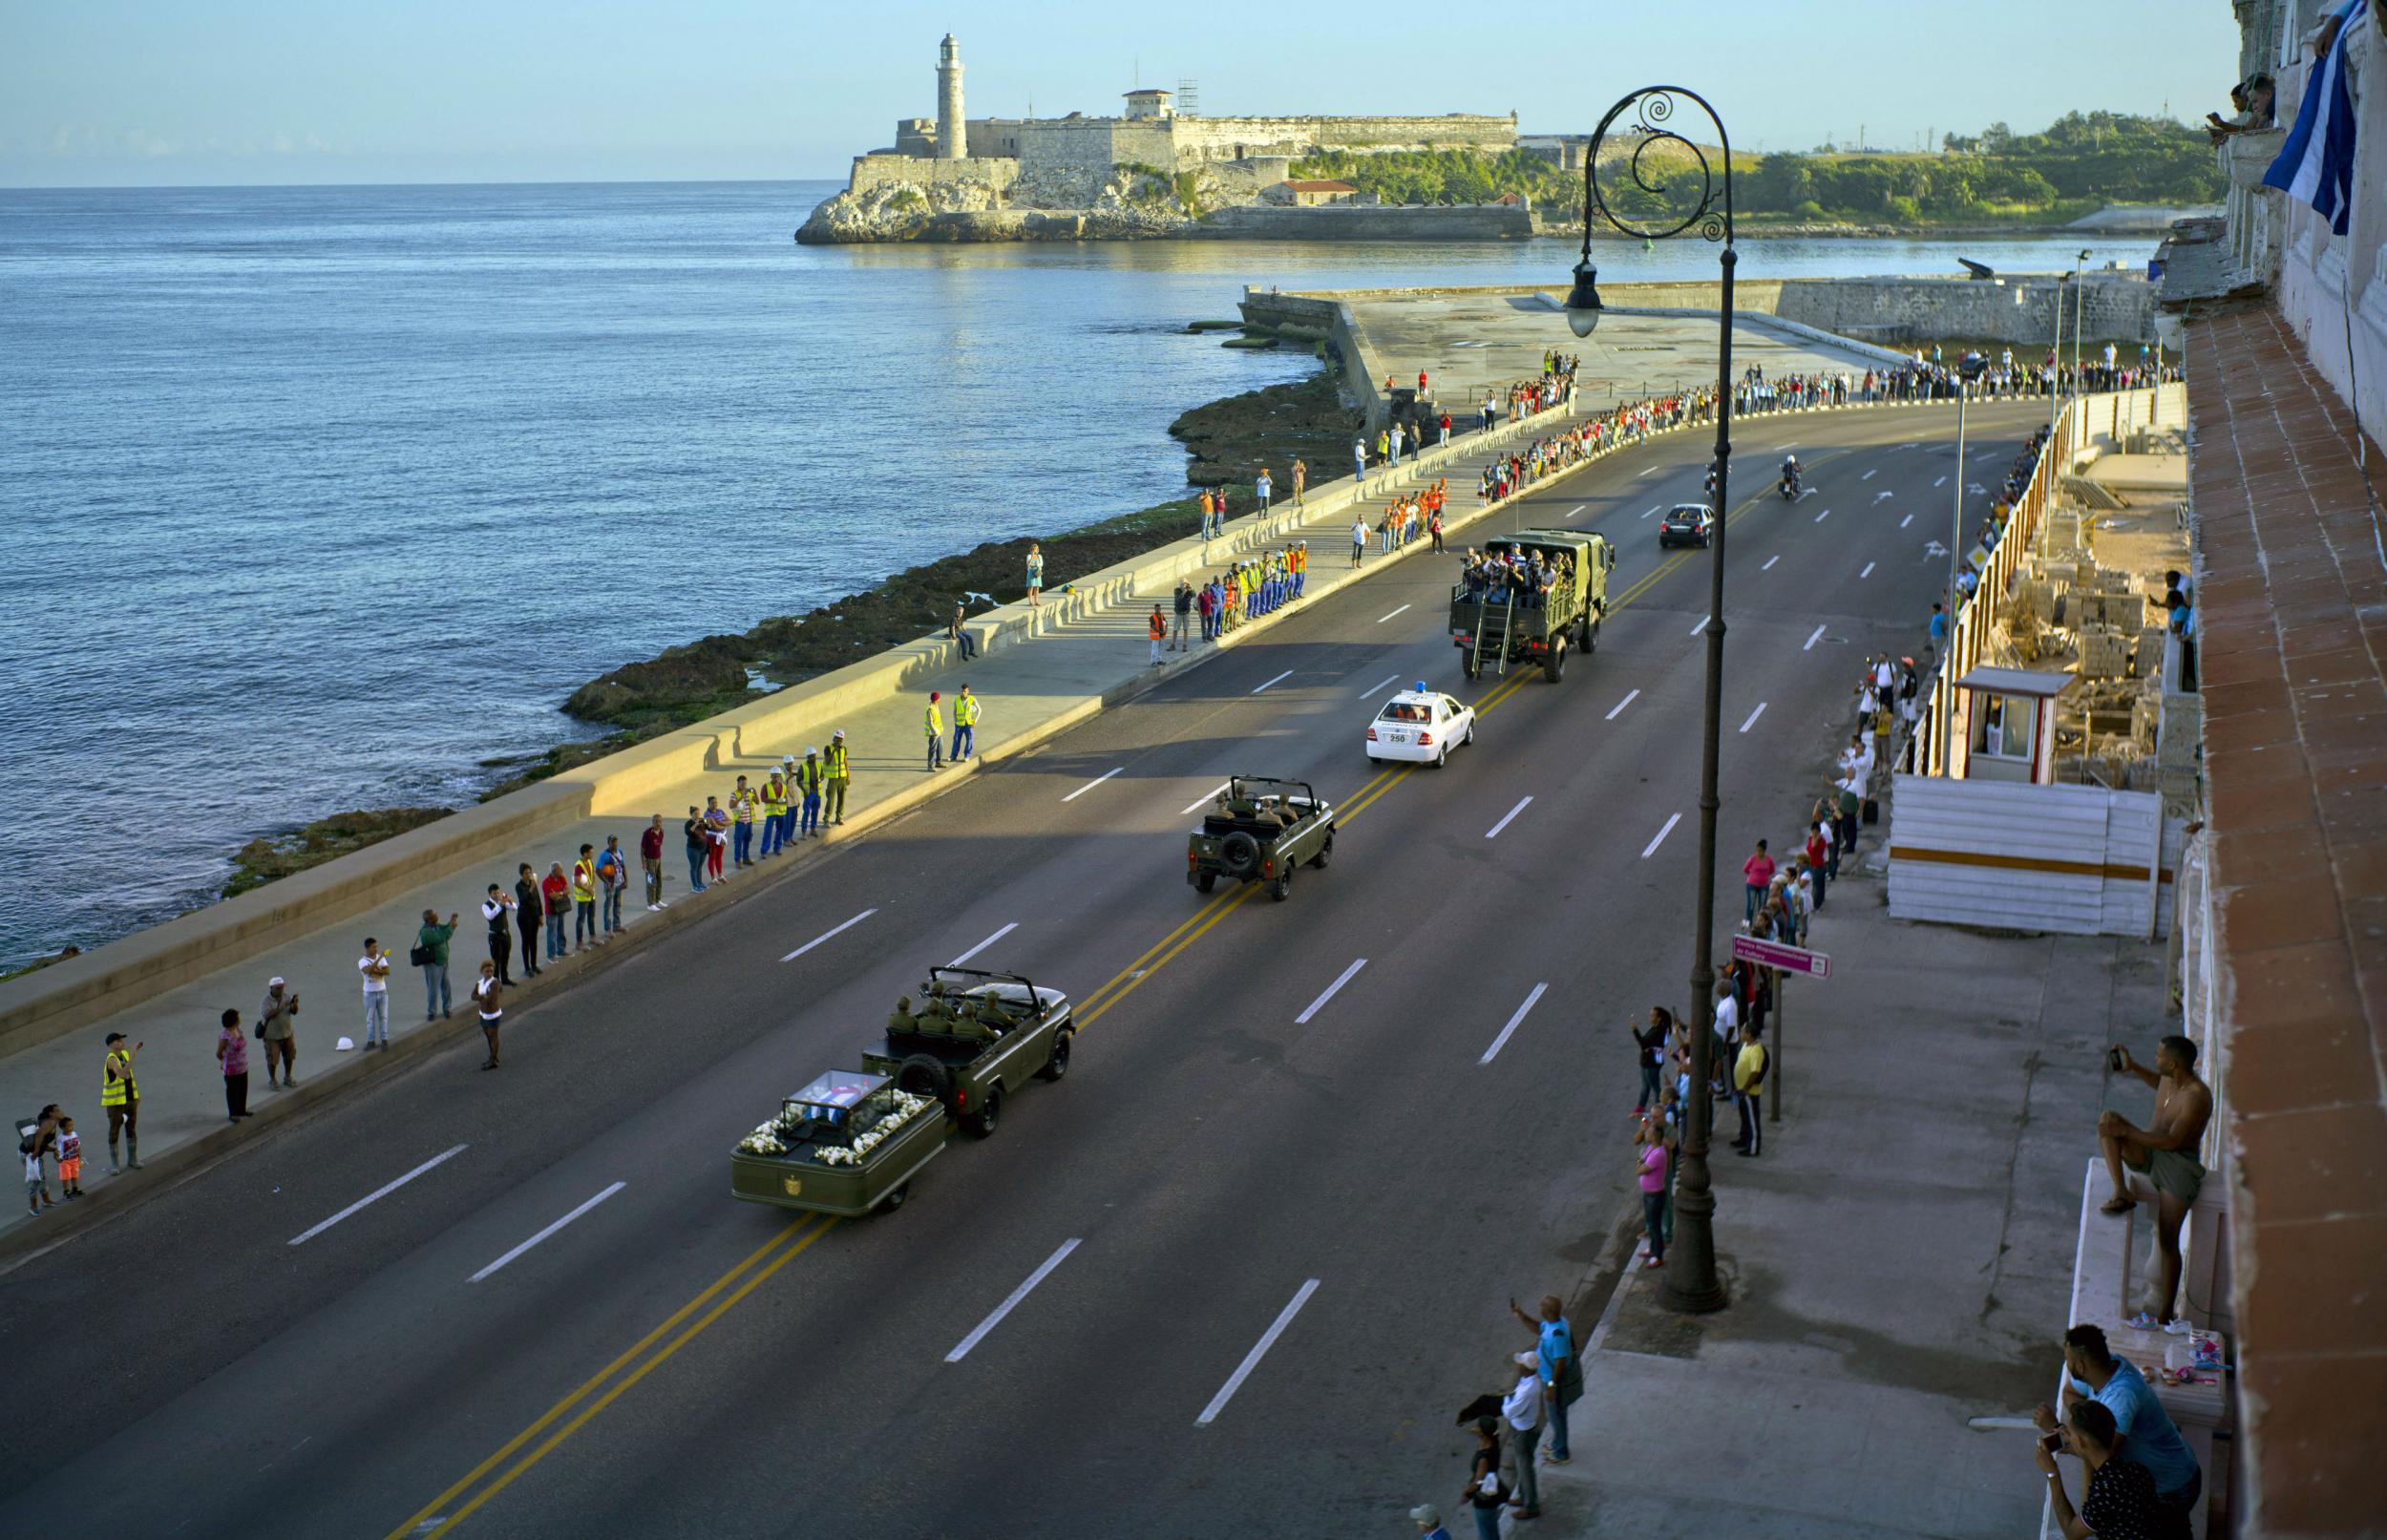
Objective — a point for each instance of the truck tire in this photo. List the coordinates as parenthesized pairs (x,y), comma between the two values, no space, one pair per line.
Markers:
(895,1199)
(1466,666)
(1239,854)
(1591,634)
(981,1123)
(1205,882)
(1057,1063)
(919,1075)
(1555,664)
(1283,888)
(1324,852)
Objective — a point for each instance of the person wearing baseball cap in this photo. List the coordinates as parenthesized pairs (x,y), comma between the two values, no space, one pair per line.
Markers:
(121,1095)
(277,1026)
(935,723)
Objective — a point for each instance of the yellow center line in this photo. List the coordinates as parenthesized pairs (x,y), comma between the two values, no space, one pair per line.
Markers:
(634,1377)
(432,1507)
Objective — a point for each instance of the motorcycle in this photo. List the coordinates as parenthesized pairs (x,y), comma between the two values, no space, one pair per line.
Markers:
(1790,486)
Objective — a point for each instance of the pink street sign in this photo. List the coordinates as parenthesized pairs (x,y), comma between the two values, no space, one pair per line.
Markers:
(1774,955)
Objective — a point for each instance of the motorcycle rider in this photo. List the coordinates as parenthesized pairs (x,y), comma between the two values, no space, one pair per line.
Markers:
(1791,475)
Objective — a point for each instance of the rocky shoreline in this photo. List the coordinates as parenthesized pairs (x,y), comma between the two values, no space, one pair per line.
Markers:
(1226,442)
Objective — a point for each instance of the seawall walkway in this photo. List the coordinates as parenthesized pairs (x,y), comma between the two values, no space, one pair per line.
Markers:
(1037,674)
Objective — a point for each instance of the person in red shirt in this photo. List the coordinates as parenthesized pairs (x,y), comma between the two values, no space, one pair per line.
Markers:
(557,891)
(1757,872)
(1420,382)
(1816,851)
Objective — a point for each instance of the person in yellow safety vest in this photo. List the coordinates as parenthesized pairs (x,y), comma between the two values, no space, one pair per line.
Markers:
(742,803)
(121,1095)
(584,929)
(833,762)
(935,723)
(774,814)
(964,725)
(808,779)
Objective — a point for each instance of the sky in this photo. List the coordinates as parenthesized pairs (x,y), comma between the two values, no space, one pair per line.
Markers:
(109,92)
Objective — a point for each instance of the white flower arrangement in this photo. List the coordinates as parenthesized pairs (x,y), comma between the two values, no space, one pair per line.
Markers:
(771,1138)
(903,1108)
(765,1140)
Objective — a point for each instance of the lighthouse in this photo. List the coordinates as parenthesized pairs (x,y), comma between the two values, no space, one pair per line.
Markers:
(952,141)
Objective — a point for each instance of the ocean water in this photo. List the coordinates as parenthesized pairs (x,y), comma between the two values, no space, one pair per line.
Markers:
(316,497)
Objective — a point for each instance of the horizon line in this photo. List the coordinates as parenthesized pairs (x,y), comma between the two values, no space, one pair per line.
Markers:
(336,186)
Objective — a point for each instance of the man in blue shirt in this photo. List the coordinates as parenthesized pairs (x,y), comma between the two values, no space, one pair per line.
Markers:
(2091,1370)
(1553,1363)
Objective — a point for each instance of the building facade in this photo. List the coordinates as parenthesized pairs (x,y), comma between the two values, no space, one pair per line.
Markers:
(1149,133)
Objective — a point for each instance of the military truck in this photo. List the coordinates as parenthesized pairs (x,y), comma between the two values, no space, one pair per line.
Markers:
(1496,624)
(1260,830)
(850,1141)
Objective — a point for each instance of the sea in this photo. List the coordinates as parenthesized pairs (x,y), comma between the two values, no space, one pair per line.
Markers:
(318,499)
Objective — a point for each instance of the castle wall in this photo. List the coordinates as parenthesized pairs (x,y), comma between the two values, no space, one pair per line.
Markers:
(871,172)
(1094,145)
(1237,138)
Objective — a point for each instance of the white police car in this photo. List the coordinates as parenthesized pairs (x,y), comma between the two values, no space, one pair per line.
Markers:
(1419,725)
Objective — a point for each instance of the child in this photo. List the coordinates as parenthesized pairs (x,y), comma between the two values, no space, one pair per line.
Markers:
(70,1159)
(37,1185)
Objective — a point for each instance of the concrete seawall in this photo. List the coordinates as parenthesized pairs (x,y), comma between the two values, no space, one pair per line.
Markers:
(1363,221)
(2116,307)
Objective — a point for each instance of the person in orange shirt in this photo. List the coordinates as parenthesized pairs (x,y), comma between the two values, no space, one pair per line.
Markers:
(1158,625)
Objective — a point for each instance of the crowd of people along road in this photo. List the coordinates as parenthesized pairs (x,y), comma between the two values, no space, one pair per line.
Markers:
(1784,889)
(573,907)
(1553,387)
(1246,590)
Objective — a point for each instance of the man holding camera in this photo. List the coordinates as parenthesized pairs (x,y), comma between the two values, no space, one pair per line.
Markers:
(2162,1155)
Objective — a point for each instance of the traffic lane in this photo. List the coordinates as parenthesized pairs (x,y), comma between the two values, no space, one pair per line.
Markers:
(318,1157)
(1264,1034)
(1151,1278)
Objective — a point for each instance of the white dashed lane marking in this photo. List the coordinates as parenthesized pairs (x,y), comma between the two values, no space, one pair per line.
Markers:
(1651,848)
(1619,709)
(828,934)
(1493,833)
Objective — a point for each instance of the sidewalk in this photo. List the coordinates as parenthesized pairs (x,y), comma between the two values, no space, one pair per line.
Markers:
(1077,658)
(1899,1259)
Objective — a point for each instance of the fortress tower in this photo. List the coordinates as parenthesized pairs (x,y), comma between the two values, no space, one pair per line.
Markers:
(951,136)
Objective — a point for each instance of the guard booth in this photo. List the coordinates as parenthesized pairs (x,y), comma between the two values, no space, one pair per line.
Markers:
(2008,717)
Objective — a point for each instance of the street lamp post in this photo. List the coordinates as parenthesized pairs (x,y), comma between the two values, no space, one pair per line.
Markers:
(1969,368)
(2079,296)
(1691,1286)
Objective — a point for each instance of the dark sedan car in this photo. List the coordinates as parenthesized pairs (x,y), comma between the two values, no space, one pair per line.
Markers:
(1687,523)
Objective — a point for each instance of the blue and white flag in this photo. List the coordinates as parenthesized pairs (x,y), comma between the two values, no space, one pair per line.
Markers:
(2315,166)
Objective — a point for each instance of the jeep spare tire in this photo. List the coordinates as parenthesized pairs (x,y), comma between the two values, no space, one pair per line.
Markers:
(920,1075)
(1239,854)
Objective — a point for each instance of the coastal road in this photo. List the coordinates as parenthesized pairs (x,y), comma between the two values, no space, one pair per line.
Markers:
(1234,1274)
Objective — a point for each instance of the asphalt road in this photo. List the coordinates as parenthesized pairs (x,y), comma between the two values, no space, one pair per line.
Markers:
(1372,1169)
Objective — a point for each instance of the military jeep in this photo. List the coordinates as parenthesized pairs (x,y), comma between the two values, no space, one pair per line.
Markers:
(1260,830)
(975,1038)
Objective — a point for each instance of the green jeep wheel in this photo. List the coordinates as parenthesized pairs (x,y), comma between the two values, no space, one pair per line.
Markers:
(1057,1064)
(981,1123)
(1283,888)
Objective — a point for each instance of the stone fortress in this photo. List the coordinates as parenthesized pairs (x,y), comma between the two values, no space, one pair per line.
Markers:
(1149,171)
